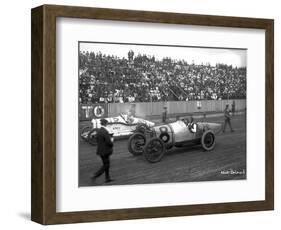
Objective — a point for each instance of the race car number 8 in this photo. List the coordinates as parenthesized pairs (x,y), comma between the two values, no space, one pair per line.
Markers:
(164,136)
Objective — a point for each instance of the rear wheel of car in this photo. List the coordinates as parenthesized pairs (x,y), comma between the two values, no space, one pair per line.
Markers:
(208,140)
(154,150)
(136,144)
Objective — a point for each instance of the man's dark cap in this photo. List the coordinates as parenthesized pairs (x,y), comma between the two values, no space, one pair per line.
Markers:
(103,122)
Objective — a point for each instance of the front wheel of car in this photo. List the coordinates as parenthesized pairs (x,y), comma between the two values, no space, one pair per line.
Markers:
(92,137)
(136,144)
(85,132)
(154,150)
(208,140)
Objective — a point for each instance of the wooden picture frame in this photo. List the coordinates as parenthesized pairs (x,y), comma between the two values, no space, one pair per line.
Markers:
(43,207)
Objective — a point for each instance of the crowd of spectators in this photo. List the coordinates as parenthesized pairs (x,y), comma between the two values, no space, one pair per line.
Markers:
(142,78)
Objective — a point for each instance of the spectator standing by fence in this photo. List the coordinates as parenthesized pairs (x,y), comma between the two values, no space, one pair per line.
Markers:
(233,108)
(227,119)
(164,115)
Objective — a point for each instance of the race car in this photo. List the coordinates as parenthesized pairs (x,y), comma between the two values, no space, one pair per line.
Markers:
(121,126)
(154,142)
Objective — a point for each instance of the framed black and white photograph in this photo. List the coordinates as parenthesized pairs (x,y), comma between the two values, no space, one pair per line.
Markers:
(186,104)
(147,114)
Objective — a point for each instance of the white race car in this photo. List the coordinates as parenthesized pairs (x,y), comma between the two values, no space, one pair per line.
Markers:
(123,125)
(154,142)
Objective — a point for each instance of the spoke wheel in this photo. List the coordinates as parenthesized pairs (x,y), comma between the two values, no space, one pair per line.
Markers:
(85,132)
(208,140)
(154,150)
(136,144)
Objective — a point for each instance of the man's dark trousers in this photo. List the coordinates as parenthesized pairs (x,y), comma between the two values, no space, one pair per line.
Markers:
(227,122)
(104,168)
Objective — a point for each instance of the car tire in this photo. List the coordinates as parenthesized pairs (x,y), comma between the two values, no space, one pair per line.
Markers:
(136,144)
(85,131)
(208,140)
(154,150)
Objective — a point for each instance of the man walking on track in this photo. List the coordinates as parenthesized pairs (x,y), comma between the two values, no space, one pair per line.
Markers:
(104,150)
(227,119)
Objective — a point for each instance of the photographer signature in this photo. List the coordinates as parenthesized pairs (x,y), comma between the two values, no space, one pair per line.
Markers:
(233,172)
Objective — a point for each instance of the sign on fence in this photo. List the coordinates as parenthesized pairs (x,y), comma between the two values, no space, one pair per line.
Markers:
(90,111)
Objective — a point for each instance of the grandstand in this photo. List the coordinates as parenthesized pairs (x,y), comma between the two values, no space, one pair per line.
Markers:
(142,78)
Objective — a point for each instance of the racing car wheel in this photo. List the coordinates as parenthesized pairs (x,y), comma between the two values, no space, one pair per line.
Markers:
(208,140)
(154,150)
(136,144)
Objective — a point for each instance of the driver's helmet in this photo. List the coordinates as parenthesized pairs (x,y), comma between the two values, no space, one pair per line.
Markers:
(130,119)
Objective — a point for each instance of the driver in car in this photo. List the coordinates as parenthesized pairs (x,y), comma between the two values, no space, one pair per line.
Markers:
(130,118)
(190,124)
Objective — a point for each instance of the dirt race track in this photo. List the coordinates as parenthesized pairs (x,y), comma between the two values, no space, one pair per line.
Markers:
(226,162)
